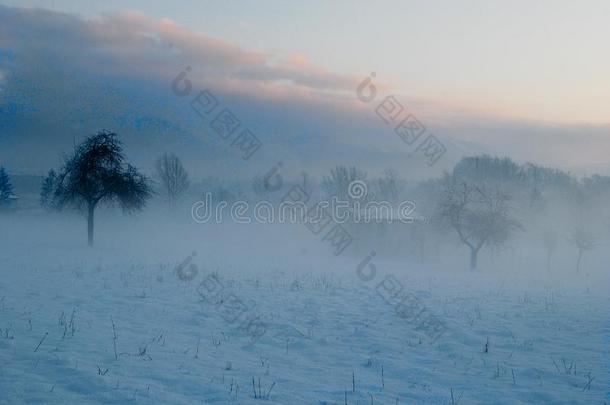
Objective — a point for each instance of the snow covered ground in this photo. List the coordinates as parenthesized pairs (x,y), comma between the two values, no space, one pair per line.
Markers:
(116,325)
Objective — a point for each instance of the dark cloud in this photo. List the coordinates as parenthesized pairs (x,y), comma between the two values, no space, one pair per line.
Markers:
(70,77)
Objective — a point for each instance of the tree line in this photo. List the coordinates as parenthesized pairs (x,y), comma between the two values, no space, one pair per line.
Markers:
(484,201)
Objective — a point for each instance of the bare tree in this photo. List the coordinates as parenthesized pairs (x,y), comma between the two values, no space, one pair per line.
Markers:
(6,188)
(307,182)
(550,241)
(96,173)
(338,183)
(258,186)
(174,177)
(389,186)
(479,217)
(47,189)
(583,239)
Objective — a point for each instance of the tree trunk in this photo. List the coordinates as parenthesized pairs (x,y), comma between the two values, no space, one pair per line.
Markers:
(172,202)
(578,260)
(90,210)
(473,258)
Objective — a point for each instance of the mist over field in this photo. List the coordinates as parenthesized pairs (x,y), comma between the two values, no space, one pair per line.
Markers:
(240,208)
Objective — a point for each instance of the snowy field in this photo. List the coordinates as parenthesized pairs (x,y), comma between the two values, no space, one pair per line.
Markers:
(115,324)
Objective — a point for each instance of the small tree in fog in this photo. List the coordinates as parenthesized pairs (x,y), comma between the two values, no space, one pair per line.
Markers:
(550,241)
(6,188)
(337,184)
(583,240)
(258,186)
(174,178)
(479,217)
(47,189)
(96,173)
(306,182)
(388,186)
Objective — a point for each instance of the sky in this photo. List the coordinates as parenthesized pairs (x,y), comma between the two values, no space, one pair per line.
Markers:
(526,79)
(542,60)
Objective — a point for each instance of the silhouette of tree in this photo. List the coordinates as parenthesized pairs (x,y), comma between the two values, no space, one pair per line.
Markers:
(174,177)
(6,188)
(583,239)
(480,217)
(95,174)
(47,189)
(337,184)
